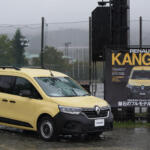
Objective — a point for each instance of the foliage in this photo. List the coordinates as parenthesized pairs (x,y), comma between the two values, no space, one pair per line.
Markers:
(6,55)
(131,124)
(53,59)
(12,51)
(19,48)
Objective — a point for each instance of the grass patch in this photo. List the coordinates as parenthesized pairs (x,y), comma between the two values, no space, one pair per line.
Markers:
(131,124)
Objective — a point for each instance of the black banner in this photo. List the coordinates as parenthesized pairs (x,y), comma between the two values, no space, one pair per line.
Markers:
(127,78)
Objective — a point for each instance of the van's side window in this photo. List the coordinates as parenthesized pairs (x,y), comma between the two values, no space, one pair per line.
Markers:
(23,84)
(6,84)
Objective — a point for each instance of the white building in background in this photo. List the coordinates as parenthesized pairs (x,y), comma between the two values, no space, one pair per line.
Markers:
(76,53)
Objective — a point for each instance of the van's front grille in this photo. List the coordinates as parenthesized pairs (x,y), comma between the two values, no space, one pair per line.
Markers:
(91,113)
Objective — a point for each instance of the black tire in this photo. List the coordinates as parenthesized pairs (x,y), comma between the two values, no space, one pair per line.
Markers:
(46,129)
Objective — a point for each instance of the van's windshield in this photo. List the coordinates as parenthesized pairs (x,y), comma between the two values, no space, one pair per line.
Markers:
(141,75)
(60,87)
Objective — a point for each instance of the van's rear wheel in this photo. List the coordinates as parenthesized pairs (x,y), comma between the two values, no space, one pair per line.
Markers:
(46,128)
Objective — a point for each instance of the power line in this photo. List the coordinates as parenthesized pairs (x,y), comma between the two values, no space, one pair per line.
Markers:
(38,25)
(73,22)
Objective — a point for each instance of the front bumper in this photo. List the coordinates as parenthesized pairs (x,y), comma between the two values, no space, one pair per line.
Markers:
(79,124)
(139,92)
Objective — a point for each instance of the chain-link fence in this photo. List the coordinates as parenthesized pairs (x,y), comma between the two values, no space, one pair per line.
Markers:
(69,40)
(65,46)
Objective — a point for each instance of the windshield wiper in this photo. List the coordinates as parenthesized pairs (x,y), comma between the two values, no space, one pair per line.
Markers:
(86,94)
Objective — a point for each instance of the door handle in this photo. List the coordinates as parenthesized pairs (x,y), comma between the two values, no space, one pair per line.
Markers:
(4,100)
(12,102)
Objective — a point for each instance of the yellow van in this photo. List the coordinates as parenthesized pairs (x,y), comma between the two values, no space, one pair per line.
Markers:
(139,82)
(50,103)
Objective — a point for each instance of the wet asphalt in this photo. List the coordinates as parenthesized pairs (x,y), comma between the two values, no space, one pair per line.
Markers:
(118,139)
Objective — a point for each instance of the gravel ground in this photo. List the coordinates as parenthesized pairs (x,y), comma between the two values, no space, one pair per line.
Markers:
(119,139)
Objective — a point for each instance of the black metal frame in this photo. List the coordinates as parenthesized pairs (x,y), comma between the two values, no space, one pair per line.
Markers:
(18,68)
(127,113)
(9,67)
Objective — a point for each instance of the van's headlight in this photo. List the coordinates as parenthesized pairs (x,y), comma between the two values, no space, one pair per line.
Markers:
(70,110)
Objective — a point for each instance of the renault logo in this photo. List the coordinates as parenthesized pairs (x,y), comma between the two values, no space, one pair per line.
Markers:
(97,109)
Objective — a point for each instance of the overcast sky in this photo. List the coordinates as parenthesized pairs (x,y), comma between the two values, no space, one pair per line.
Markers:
(31,11)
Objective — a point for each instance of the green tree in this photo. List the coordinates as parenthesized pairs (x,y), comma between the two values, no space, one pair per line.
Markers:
(6,55)
(53,59)
(19,45)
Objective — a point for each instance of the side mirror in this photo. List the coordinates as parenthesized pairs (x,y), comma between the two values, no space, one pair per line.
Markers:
(25,93)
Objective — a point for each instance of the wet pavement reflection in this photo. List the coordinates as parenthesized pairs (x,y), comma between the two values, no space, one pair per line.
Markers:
(119,139)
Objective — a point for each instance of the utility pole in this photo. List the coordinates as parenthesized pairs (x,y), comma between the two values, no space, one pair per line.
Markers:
(78,55)
(83,62)
(42,42)
(90,51)
(73,71)
(141,32)
(140,44)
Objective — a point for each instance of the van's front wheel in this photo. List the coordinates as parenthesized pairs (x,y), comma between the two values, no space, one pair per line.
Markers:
(46,128)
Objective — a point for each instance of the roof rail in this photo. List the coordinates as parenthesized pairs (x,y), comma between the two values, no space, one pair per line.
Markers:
(32,67)
(9,67)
